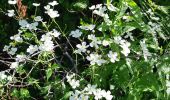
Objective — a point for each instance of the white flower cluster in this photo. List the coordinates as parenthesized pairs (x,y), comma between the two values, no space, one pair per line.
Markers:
(95,59)
(74,83)
(89,90)
(10,50)
(25,25)
(100,10)
(48,44)
(51,12)
(32,49)
(19,58)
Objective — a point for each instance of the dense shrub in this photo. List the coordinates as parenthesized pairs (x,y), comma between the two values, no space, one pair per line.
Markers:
(84,50)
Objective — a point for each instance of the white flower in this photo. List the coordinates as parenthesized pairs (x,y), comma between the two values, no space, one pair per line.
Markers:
(47,7)
(38,19)
(46,37)
(108,95)
(83,97)
(87,27)
(74,83)
(95,59)
(33,26)
(95,6)
(76,34)
(52,13)
(105,42)
(81,47)
(94,42)
(90,88)
(36,4)
(53,3)
(17,38)
(75,96)
(54,33)
(21,58)
(129,34)
(125,47)
(12,51)
(69,77)
(117,39)
(98,94)
(6,48)
(12,2)
(124,44)
(113,56)
(14,65)
(48,45)
(98,6)
(23,23)
(32,49)
(92,7)
(100,11)
(107,20)
(10,13)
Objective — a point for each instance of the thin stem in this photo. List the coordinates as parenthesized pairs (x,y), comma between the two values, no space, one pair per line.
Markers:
(63,33)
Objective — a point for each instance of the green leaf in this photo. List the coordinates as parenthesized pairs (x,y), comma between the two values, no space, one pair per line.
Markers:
(15,93)
(66,96)
(80,5)
(24,93)
(54,66)
(49,73)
